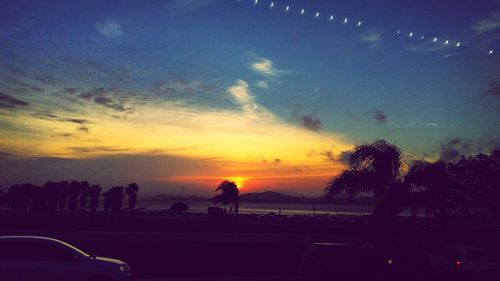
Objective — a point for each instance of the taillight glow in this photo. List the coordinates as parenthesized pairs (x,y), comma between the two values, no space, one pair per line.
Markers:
(458,263)
(389,261)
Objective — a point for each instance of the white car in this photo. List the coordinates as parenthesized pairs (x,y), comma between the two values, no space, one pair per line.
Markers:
(33,258)
(464,263)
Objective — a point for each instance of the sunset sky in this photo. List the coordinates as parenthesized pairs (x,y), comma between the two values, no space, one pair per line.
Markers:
(191,92)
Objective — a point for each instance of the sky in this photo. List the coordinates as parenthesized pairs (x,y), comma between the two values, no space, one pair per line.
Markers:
(171,93)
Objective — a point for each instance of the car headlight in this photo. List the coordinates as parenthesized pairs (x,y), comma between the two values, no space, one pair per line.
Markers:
(125,268)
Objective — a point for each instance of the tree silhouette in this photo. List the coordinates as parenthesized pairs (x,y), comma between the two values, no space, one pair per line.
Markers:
(229,196)
(373,168)
(63,195)
(131,191)
(73,193)
(94,193)
(51,190)
(116,201)
(84,192)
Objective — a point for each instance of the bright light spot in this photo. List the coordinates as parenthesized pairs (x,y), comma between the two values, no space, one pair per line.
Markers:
(435,39)
(422,37)
(331,17)
(446,42)
(272,5)
(359,23)
(239,181)
(458,44)
(287,8)
(399,31)
(389,261)
(302,12)
(256,2)
(317,15)
(490,52)
(345,20)
(411,34)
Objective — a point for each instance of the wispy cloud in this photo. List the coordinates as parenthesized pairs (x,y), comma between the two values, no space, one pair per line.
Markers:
(311,123)
(110,28)
(379,116)
(7,101)
(245,98)
(490,23)
(265,66)
(372,38)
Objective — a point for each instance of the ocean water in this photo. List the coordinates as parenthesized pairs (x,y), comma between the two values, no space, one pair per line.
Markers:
(267,208)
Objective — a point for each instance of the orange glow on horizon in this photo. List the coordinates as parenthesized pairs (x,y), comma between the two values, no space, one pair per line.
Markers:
(239,181)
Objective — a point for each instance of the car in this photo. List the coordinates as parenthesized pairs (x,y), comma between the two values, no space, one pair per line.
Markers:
(28,258)
(464,263)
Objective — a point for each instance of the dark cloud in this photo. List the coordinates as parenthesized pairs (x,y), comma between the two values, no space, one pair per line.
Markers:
(97,149)
(7,101)
(95,92)
(83,129)
(51,116)
(328,154)
(110,103)
(450,151)
(311,123)
(344,157)
(112,98)
(65,135)
(379,116)
(453,149)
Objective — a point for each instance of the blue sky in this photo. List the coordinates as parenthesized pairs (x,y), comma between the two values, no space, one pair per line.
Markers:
(71,70)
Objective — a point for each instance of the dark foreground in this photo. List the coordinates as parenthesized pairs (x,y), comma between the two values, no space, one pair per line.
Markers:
(164,246)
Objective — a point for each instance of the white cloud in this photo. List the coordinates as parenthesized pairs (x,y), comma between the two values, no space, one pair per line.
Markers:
(432,124)
(110,29)
(372,38)
(245,98)
(263,84)
(491,23)
(265,66)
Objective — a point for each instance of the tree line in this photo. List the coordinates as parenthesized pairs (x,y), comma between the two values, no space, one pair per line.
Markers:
(471,183)
(74,195)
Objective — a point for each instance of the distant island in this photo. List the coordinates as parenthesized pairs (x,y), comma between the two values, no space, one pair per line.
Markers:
(262,197)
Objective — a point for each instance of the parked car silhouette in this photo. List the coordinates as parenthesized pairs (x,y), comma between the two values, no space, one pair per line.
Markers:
(28,258)
(464,263)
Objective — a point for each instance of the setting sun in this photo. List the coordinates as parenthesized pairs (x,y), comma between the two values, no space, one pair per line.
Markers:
(240,181)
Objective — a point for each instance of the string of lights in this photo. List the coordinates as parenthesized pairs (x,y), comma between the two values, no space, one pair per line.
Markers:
(410,35)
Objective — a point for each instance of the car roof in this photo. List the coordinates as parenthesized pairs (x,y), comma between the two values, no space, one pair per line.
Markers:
(29,238)
(41,238)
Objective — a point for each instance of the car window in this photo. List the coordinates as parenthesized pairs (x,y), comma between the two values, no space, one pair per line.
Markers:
(474,255)
(33,250)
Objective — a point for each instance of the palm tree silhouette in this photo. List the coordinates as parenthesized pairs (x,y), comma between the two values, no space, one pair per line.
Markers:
(430,184)
(229,196)
(94,193)
(84,190)
(373,168)
(131,191)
